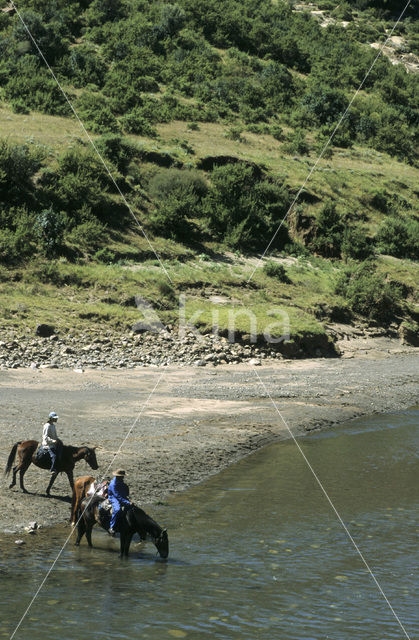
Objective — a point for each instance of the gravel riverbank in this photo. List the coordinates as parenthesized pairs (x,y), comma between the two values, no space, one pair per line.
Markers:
(181,425)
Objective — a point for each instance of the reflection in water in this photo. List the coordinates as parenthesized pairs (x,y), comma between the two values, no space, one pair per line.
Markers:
(256,552)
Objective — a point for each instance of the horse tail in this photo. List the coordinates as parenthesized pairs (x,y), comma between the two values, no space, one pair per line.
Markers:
(11,458)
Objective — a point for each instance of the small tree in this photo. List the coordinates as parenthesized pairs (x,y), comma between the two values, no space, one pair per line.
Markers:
(50,227)
(329,231)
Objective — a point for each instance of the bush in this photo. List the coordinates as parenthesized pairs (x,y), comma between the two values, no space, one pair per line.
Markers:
(328,232)
(275,270)
(31,87)
(84,66)
(234,133)
(399,237)
(49,227)
(135,122)
(356,244)
(88,236)
(244,210)
(18,165)
(166,181)
(16,234)
(78,184)
(172,219)
(105,255)
(117,149)
(368,293)
(96,114)
(297,144)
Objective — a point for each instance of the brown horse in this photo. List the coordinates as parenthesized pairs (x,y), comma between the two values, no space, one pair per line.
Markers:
(81,486)
(69,456)
(132,520)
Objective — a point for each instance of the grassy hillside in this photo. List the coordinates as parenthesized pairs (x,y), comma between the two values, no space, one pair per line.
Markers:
(209,117)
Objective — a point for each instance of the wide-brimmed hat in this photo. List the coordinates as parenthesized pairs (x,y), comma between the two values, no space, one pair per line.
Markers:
(118,472)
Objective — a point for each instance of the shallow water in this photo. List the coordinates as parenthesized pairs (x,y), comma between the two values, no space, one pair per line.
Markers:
(256,553)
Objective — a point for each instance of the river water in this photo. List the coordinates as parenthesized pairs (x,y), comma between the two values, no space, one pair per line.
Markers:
(256,553)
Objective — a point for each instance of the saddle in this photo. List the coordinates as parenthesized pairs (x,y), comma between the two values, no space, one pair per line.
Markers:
(105,513)
(42,455)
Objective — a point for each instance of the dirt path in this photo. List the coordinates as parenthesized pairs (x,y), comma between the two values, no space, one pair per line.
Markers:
(195,422)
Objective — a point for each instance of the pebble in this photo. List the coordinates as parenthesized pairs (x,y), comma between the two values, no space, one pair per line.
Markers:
(99,349)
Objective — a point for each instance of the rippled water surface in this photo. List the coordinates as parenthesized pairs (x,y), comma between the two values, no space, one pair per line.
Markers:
(256,553)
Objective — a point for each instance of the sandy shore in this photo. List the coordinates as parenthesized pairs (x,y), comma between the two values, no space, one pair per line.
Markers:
(182,425)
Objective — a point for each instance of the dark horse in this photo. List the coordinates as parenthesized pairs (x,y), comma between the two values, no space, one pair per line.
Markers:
(69,456)
(132,520)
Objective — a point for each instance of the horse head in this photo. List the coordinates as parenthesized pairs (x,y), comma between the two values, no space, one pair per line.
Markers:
(90,457)
(162,543)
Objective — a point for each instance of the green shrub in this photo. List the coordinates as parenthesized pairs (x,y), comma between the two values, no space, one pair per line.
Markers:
(328,231)
(49,227)
(79,183)
(297,144)
(234,133)
(135,122)
(84,66)
(31,86)
(166,181)
(368,293)
(88,236)
(16,245)
(172,219)
(117,149)
(275,270)
(244,210)
(356,244)
(96,114)
(276,132)
(105,255)
(18,165)
(399,237)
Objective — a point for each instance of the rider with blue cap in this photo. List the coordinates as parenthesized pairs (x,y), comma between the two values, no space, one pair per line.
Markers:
(50,440)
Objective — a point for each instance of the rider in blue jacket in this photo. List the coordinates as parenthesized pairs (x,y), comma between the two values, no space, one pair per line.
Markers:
(118,493)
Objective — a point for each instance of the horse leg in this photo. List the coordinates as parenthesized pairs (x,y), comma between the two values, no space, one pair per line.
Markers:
(13,482)
(81,530)
(70,479)
(22,470)
(127,542)
(89,528)
(51,482)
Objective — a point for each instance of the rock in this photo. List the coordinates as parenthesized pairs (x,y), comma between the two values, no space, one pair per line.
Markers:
(19,542)
(200,363)
(78,370)
(254,362)
(409,334)
(44,330)
(34,365)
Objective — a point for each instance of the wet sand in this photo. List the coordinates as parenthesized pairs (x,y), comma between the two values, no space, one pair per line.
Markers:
(180,425)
